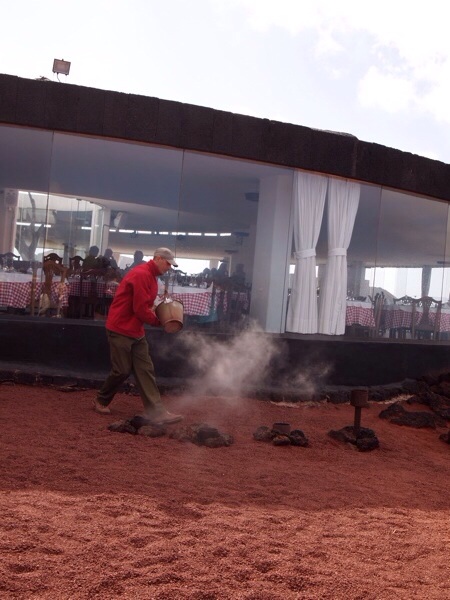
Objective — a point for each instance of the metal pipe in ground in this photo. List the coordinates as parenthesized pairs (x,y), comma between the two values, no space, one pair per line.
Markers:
(359,399)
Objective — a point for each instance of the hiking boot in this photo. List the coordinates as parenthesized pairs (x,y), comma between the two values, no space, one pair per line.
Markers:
(165,418)
(99,408)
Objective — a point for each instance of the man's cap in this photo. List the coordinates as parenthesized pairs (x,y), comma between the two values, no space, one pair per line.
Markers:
(167,254)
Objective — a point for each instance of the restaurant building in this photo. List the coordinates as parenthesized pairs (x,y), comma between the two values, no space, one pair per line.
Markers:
(337,240)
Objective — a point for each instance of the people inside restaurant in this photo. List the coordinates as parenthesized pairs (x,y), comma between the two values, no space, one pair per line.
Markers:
(92,260)
(138,260)
(109,260)
(238,277)
(222,274)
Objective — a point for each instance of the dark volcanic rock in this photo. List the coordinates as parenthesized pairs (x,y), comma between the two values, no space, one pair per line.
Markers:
(439,404)
(281,440)
(368,443)
(339,397)
(139,421)
(399,416)
(298,438)
(122,427)
(445,437)
(152,430)
(222,439)
(365,439)
(295,438)
(264,434)
(201,434)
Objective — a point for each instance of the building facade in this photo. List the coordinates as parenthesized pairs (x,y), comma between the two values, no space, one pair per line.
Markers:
(324,237)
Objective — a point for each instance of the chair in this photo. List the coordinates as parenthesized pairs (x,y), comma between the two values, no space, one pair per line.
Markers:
(233,302)
(401,331)
(426,328)
(89,301)
(52,265)
(75,265)
(372,330)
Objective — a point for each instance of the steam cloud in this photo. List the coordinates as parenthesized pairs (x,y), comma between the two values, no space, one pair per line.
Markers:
(244,363)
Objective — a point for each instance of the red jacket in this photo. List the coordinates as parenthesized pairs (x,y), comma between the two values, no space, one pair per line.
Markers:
(132,304)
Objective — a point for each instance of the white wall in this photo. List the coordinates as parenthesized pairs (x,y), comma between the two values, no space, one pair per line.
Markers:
(272,252)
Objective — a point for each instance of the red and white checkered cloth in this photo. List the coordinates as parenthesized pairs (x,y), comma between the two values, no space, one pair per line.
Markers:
(104,290)
(18,294)
(395,316)
(198,304)
(359,313)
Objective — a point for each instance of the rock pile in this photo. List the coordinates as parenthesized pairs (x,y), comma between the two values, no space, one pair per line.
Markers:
(200,434)
(364,440)
(280,436)
(432,393)
(398,415)
(138,425)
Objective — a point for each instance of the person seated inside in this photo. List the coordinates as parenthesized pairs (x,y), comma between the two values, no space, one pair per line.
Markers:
(238,277)
(113,273)
(138,260)
(108,259)
(207,277)
(221,276)
(92,260)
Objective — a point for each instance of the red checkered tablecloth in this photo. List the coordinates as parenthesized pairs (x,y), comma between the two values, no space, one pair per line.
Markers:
(198,304)
(195,301)
(18,294)
(395,316)
(104,290)
(359,313)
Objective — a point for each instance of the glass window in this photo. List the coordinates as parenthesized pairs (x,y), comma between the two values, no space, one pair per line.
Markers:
(236,229)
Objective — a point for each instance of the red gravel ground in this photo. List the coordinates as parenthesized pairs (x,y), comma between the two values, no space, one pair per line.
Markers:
(86,513)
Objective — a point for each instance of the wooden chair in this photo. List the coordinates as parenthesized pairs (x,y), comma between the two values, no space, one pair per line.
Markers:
(426,328)
(375,330)
(52,265)
(233,302)
(75,265)
(401,332)
(90,302)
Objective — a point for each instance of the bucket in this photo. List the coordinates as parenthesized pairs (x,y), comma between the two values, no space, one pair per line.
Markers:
(170,313)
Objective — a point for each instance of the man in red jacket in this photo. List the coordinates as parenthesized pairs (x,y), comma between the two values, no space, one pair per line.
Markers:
(132,307)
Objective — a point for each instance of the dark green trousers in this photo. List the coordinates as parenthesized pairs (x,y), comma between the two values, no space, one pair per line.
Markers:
(129,355)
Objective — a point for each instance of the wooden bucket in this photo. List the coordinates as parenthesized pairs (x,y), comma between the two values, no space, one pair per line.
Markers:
(170,313)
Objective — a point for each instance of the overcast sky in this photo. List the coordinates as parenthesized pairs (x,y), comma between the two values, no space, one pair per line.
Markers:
(379,71)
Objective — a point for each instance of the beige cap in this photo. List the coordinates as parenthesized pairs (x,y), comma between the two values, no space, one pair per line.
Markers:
(167,254)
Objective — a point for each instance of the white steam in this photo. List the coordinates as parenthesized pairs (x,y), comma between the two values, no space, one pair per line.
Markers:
(250,361)
(229,368)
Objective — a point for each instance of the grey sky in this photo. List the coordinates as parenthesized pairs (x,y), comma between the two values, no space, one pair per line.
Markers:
(379,71)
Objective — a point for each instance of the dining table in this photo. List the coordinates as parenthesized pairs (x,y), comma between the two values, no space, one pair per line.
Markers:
(196,301)
(105,289)
(359,313)
(399,316)
(15,291)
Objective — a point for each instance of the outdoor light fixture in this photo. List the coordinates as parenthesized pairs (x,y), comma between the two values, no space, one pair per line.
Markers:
(61,67)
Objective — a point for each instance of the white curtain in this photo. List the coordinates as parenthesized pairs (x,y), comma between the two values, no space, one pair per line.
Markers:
(343,201)
(309,200)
